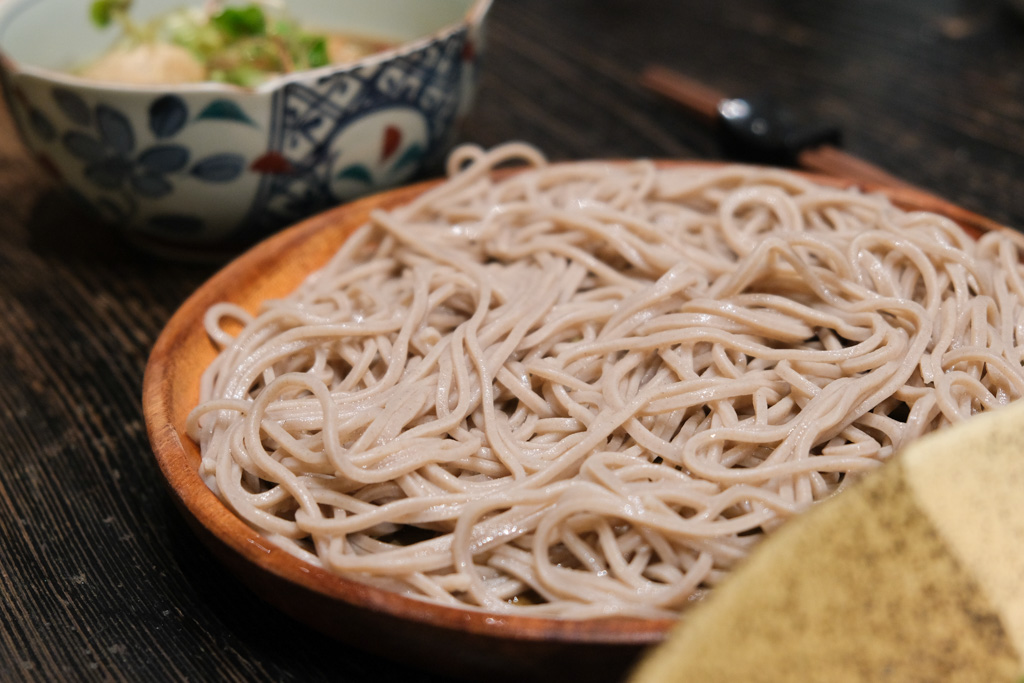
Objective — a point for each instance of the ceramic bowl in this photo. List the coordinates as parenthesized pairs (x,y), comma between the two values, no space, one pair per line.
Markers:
(205,168)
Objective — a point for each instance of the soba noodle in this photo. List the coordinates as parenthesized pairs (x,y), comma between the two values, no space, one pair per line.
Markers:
(589,389)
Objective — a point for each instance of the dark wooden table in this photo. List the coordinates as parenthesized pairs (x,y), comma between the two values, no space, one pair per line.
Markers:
(100,579)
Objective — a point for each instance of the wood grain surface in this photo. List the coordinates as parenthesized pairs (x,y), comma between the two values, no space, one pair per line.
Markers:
(100,577)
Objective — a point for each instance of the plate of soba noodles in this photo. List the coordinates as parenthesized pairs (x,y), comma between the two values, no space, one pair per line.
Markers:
(528,414)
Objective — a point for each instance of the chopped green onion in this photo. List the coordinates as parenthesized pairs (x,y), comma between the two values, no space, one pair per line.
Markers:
(316,51)
(237,22)
(103,12)
(245,76)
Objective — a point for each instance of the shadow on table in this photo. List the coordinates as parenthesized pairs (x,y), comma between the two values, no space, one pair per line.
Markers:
(58,226)
(256,636)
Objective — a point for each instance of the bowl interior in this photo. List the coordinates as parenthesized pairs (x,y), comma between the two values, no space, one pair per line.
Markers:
(57,35)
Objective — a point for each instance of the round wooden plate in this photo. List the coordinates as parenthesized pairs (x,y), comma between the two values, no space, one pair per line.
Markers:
(459,642)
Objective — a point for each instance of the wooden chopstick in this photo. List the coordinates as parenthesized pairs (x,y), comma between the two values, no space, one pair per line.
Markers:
(701,102)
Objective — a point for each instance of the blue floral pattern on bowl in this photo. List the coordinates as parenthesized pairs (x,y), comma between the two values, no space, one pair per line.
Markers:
(210,166)
(103,139)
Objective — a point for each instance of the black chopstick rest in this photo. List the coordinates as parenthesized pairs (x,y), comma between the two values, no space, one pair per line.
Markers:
(758,130)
